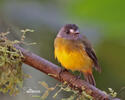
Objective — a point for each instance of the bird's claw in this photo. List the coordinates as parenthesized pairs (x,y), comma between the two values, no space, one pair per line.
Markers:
(62,70)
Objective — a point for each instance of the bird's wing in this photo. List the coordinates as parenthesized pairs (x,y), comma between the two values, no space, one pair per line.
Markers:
(91,53)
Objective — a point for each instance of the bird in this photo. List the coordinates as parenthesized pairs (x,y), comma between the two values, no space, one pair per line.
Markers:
(75,52)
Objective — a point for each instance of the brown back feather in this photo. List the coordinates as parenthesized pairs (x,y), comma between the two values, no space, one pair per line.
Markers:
(91,53)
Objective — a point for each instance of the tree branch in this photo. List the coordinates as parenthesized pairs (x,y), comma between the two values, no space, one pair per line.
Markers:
(63,76)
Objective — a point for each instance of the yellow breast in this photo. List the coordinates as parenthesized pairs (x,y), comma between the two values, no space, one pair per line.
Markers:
(71,54)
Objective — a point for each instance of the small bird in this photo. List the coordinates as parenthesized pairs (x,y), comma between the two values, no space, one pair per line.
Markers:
(74,52)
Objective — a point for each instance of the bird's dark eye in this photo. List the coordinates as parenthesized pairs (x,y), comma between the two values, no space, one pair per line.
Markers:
(67,31)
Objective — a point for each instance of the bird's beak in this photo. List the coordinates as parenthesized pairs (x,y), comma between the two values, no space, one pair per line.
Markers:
(76,32)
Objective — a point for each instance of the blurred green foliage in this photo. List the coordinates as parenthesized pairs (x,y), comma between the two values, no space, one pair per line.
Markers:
(110,13)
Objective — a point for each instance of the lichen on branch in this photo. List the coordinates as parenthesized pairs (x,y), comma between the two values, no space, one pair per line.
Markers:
(11,74)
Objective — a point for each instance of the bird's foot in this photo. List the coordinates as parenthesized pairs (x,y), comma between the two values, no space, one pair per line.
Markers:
(79,76)
(62,70)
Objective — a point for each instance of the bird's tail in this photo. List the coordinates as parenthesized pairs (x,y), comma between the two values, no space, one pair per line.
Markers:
(89,78)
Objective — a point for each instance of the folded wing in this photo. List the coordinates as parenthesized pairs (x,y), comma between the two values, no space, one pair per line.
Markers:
(91,53)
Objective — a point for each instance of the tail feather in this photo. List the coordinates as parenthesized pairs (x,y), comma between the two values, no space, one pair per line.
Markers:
(89,78)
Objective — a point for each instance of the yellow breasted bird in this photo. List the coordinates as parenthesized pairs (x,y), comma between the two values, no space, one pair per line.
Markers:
(75,52)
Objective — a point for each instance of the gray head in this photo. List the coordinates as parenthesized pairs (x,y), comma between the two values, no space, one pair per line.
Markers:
(69,31)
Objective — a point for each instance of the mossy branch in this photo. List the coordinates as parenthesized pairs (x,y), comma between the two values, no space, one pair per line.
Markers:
(56,72)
